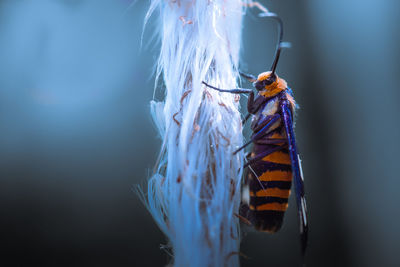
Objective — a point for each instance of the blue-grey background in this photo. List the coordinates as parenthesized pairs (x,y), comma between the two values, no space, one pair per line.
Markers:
(76,134)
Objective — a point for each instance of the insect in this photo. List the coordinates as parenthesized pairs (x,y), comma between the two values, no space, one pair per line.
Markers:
(273,162)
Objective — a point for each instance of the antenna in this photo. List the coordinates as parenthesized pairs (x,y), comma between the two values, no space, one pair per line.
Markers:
(280,44)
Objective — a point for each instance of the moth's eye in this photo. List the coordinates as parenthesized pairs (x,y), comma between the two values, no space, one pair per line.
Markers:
(267,82)
(259,85)
(270,80)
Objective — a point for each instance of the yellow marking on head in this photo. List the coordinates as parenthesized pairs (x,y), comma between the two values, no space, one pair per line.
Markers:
(273,206)
(271,192)
(278,157)
(276,176)
(263,76)
(276,87)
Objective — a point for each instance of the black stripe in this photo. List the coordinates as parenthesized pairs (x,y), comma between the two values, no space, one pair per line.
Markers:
(257,201)
(277,184)
(262,166)
(260,148)
(267,220)
(256,185)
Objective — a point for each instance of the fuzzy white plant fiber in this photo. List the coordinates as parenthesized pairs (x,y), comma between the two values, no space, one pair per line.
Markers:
(195,190)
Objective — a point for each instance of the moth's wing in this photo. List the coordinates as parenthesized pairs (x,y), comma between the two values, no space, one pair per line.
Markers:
(297,173)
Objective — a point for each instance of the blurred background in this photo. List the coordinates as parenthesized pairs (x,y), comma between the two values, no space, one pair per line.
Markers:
(76,135)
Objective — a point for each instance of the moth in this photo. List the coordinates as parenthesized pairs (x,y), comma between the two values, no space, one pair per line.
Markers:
(273,163)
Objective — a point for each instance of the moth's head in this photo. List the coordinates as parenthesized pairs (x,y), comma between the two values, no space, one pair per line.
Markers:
(265,80)
(269,84)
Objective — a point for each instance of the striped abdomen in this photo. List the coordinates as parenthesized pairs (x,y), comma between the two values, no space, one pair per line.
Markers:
(269,193)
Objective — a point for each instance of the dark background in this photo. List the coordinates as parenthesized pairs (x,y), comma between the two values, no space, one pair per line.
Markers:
(76,134)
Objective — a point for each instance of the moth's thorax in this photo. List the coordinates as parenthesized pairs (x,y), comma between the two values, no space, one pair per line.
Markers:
(274,88)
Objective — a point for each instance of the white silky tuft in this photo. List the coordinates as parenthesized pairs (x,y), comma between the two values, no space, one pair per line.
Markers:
(195,191)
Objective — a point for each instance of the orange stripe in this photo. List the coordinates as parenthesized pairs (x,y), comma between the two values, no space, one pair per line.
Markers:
(278,157)
(271,192)
(273,206)
(276,176)
(276,136)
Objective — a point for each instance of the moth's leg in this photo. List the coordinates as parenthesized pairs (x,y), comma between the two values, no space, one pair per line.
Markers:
(232,91)
(251,103)
(257,125)
(260,156)
(250,107)
(243,218)
(262,129)
(260,133)
(246,118)
(270,141)
(255,104)
(249,77)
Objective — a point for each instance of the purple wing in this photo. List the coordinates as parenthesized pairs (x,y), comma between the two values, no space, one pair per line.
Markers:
(297,173)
